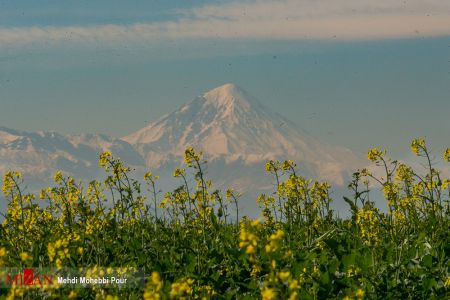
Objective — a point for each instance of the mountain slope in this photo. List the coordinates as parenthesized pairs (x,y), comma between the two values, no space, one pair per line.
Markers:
(39,154)
(230,125)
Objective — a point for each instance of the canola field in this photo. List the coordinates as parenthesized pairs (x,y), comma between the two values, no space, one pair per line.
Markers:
(192,243)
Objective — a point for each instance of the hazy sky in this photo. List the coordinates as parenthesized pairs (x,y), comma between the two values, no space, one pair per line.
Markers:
(352,72)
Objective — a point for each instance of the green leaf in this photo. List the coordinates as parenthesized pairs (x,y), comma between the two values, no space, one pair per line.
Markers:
(427,261)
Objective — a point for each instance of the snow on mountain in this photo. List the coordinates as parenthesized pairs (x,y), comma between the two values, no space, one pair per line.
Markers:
(231,126)
(39,154)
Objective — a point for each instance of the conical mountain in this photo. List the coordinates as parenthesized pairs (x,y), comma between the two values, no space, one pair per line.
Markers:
(233,127)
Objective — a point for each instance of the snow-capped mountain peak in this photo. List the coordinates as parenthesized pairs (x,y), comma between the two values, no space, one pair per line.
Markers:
(228,124)
(220,121)
(228,96)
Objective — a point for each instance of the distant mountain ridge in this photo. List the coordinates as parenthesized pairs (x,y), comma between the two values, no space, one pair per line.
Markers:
(40,154)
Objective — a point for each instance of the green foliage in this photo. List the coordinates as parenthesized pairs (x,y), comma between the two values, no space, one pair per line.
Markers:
(191,245)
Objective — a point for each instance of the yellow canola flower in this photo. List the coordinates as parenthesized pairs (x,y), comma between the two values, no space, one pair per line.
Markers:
(229,193)
(293,295)
(104,158)
(58,263)
(64,253)
(178,172)
(156,281)
(274,264)
(51,252)
(447,282)
(374,154)
(418,144)
(270,248)
(42,194)
(248,239)
(190,156)
(8,183)
(58,176)
(181,288)
(273,166)
(284,275)
(368,222)
(293,284)
(390,191)
(24,256)
(288,164)
(268,293)
(447,155)
(274,239)
(359,293)
(148,176)
(255,271)
(404,173)
(278,235)
(445,184)
(250,249)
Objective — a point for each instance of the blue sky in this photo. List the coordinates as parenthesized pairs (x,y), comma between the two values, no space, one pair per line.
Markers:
(357,73)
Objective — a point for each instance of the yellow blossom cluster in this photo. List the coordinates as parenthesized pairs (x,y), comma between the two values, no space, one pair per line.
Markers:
(153,287)
(280,284)
(3,253)
(179,172)
(447,154)
(273,166)
(418,145)
(274,241)
(190,156)
(59,250)
(248,238)
(374,154)
(105,158)
(404,173)
(10,181)
(150,177)
(182,288)
(368,222)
